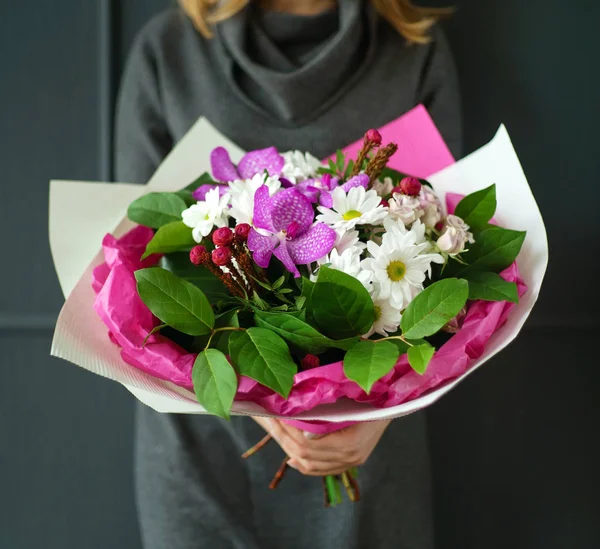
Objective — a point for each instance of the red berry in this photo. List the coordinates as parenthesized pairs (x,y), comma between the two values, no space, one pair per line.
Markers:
(309,362)
(198,255)
(242,231)
(373,136)
(221,256)
(410,186)
(223,236)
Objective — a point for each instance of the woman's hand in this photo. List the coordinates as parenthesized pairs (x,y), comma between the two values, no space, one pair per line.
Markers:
(330,454)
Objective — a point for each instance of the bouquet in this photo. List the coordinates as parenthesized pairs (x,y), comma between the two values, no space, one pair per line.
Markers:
(286,284)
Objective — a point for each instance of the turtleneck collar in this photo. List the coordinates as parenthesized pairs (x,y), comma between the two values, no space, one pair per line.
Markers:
(291,67)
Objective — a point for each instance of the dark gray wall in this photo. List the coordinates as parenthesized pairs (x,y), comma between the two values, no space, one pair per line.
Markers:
(514,448)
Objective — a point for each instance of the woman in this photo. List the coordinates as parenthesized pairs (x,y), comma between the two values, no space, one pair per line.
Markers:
(309,75)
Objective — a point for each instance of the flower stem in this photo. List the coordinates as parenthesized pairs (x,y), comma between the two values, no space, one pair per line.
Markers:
(348,486)
(401,338)
(354,484)
(260,444)
(279,474)
(225,329)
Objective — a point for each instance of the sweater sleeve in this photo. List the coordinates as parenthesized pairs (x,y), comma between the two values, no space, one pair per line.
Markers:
(440,92)
(142,138)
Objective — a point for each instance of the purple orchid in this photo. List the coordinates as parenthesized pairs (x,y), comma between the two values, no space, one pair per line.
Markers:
(285,222)
(319,190)
(251,163)
(224,170)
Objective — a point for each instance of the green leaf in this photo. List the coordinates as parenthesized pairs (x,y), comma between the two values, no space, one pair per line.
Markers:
(295,331)
(263,356)
(174,237)
(278,282)
(494,250)
(215,382)
(156,209)
(491,287)
(221,340)
(419,357)
(180,265)
(477,208)
(345,344)
(307,289)
(341,306)
(175,301)
(368,361)
(349,168)
(340,161)
(400,345)
(434,307)
(233,337)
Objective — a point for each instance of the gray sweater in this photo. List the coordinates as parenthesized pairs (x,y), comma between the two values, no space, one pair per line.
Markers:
(309,83)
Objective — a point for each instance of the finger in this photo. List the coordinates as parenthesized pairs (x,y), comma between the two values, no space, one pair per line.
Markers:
(319,443)
(318,468)
(297,445)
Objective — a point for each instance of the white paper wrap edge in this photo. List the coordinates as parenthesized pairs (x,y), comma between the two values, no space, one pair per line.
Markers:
(81,213)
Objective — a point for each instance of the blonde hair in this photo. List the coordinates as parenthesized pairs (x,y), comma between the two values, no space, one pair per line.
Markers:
(412,22)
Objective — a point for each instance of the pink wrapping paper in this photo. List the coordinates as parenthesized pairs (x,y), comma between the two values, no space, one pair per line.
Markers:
(129,322)
(422,153)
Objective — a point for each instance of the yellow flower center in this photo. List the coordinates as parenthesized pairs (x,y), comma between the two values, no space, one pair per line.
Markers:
(351,214)
(377,312)
(396,271)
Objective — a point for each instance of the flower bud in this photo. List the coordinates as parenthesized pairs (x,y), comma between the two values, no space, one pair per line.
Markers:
(221,256)
(309,362)
(373,136)
(198,255)
(455,236)
(410,186)
(242,231)
(223,236)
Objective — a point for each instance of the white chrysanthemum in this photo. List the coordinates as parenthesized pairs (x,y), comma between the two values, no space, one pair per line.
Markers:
(400,265)
(348,262)
(203,216)
(387,318)
(299,166)
(358,207)
(242,195)
(396,229)
(348,240)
